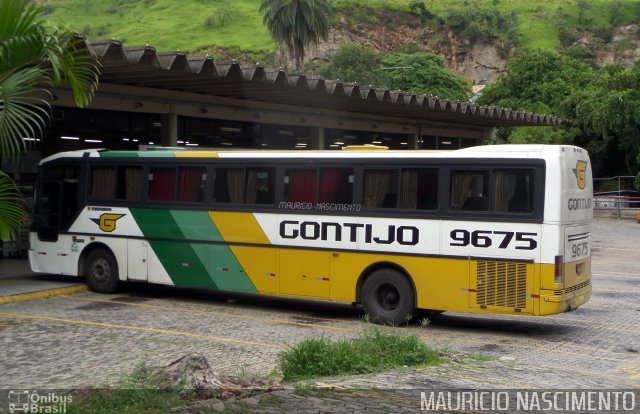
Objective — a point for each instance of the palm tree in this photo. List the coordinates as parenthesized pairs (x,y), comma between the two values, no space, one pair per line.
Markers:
(34,58)
(296,23)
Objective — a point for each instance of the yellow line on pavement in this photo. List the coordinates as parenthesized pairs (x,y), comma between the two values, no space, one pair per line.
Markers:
(617,290)
(252,309)
(514,345)
(43,294)
(615,274)
(226,315)
(451,334)
(140,328)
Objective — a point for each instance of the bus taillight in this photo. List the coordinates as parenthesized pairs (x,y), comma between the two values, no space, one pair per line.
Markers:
(557,276)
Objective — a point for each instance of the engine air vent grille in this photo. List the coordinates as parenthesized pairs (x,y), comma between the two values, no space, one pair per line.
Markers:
(502,284)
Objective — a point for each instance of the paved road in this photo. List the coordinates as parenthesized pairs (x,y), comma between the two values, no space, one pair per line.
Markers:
(85,338)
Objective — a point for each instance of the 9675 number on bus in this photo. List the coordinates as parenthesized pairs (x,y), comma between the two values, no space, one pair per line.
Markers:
(579,250)
(488,238)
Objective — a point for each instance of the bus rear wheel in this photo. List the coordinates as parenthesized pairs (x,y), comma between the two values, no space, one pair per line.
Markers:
(101,271)
(387,297)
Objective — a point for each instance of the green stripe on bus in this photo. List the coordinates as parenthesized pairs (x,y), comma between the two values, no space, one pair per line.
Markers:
(118,154)
(179,259)
(137,154)
(192,264)
(219,261)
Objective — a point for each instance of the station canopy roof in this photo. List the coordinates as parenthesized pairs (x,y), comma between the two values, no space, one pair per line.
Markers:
(143,66)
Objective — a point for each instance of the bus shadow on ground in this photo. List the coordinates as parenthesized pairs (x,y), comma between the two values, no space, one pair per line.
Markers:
(307,309)
(529,328)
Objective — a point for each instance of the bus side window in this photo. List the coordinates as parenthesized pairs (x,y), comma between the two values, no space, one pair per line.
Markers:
(301,185)
(103,183)
(129,183)
(336,186)
(162,184)
(228,185)
(419,189)
(380,189)
(191,184)
(513,191)
(116,183)
(469,191)
(260,186)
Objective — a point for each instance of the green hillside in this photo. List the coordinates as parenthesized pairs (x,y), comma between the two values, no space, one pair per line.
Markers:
(202,25)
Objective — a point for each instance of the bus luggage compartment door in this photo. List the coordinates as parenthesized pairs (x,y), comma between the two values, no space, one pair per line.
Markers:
(137,260)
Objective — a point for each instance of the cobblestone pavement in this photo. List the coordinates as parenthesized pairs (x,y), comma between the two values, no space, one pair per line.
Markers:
(87,339)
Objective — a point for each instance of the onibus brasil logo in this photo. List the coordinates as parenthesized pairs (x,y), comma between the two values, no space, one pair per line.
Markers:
(107,221)
(25,401)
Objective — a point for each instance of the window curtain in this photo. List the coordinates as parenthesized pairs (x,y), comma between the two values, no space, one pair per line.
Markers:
(460,185)
(190,184)
(330,180)
(133,183)
(409,189)
(235,178)
(252,186)
(103,183)
(500,191)
(302,186)
(427,190)
(163,185)
(376,186)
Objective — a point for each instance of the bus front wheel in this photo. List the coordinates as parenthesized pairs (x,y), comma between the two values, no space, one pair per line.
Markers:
(101,271)
(387,297)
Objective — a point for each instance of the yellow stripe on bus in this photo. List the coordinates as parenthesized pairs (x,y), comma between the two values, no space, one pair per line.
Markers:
(196,154)
(259,263)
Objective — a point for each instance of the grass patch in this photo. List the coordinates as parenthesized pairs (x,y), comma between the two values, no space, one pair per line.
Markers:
(133,394)
(374,350)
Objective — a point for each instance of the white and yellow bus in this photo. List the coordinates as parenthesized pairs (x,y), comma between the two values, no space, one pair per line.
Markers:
(491,229)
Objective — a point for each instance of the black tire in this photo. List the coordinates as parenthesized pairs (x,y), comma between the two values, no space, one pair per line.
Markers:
(101,271)
(388,298)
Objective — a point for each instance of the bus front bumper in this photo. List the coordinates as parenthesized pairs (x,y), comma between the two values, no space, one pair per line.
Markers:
(564,300)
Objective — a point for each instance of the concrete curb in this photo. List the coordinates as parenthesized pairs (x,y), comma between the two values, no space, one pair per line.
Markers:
(41,294)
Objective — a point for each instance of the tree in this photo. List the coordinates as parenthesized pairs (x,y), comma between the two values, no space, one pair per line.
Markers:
(538,81)
(600,109)
(34,57)
(424,74)
(354,63)
(609,108)
(297,23)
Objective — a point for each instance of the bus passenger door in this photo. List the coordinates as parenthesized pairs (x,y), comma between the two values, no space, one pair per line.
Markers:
(56,208)
(304,273)
(137,260)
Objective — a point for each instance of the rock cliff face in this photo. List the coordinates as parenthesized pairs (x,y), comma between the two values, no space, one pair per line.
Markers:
(624,48)
(477,62)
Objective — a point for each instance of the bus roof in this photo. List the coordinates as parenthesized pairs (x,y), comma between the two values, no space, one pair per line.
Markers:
(484,151)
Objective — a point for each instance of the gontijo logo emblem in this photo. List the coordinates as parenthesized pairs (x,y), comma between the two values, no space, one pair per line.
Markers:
(107,221)
(581,174)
